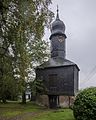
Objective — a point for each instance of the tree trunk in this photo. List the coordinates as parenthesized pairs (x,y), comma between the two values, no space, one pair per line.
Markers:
(3,99)
(23,98)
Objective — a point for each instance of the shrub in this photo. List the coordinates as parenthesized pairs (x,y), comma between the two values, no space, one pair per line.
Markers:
(85,105)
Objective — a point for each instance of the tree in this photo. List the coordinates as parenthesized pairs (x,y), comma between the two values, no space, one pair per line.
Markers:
(21,45)
(85,105)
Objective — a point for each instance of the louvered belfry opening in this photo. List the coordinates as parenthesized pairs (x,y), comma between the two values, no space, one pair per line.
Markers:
(60,75)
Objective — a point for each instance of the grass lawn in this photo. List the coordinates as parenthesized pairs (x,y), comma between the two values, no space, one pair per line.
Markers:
(63,114)
(31,111)
(11,109)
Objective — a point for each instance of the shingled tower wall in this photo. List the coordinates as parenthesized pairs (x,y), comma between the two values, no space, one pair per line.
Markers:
(59,75)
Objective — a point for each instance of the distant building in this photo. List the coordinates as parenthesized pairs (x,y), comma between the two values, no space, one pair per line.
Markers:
(60,76)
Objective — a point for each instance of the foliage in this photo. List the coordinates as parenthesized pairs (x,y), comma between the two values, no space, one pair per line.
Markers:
(40,87)
(85,105)
(22,24)
(37,87)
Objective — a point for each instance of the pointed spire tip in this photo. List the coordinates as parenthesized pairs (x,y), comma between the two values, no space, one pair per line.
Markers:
(57,13)
(57,9)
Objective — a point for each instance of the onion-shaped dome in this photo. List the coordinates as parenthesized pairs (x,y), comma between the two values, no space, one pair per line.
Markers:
(58,27)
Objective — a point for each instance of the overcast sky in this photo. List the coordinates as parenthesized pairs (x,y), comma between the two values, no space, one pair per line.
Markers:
(79,17)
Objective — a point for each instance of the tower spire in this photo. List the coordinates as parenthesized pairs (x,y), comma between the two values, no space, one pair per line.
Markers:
(57,17)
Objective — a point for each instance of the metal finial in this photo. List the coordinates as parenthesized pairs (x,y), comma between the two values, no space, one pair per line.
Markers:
(57,13)
(57,9)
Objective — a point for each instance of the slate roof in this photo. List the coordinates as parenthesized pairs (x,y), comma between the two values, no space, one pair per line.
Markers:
(57,62)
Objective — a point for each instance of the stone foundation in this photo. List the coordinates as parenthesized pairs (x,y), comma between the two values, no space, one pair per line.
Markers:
(64,101)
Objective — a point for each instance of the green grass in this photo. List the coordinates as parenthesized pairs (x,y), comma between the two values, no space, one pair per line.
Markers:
(12,109)
(31,111)
(64,114)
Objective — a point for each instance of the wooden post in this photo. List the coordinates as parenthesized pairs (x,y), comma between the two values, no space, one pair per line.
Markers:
(58,102)
(69,101)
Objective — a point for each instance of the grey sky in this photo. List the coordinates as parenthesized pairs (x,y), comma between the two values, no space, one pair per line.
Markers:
(79,17)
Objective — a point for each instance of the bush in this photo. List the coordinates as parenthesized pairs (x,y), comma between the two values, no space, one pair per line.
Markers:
(85,105)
